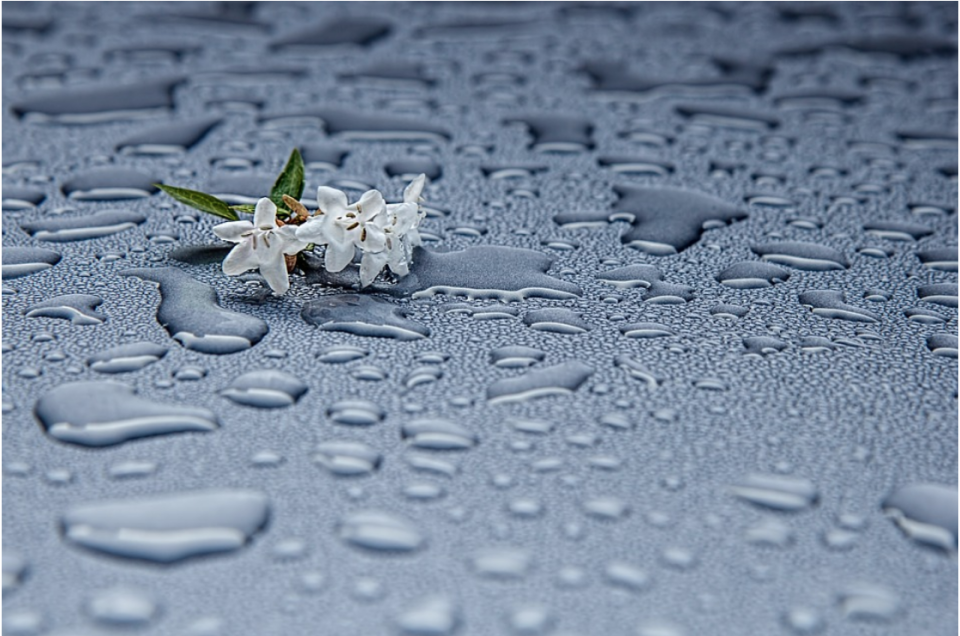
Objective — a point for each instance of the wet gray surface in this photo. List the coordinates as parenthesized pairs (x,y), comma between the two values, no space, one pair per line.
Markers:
(678,356)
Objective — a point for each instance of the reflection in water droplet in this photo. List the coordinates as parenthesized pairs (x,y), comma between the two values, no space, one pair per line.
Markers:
(168,528)
(778,492)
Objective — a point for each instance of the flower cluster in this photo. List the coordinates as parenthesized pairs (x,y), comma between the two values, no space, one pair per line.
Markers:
(384,233)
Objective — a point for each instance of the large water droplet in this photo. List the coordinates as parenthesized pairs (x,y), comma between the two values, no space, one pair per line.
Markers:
(108,413)
(363,316)
(81,228)
(79,309)
(190,312)
(561,379)
(168,528)
(927,513)
(23,261)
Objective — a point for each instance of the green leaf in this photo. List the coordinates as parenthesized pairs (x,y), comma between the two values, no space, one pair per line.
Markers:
(200,201)
(290,181)
(246,208)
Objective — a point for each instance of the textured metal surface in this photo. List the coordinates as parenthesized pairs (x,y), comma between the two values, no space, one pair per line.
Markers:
(679,356)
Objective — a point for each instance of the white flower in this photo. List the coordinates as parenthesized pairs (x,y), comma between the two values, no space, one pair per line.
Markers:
(343,227)
(260,245)
(400,227)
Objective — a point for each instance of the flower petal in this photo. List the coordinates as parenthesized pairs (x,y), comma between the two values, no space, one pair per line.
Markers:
(370,205)
(265,216)
(338,256)
(232,230)
(314,231)
(290,242)
(274,271)
(411,194)
(331,200)
(374,238)
(240,259)
(370,266)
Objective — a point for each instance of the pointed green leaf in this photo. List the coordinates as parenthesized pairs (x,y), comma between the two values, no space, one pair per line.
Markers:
(200,201)
(246,208)
(290,181)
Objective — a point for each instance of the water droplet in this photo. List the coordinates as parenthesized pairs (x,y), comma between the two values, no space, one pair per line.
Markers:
(79,309)
(667,220)
(168,528)
(347,459)
(561,379)
(803,620)
(516,357)
(774,533)
(99,104)
(23,261)
(340,354)
(606,508)
(530,620)
(132,469)
(778,492)
(830,304)
(122,607)
(556,320)
(626,576)
(422,375)
(380,531)
(939,293)
(126,358)
(190,312)
(503,563)
(267,389)
(362,316)
(752,275)
(438,434)
(927,513)
(429,616)
(107,413)
(167,139)
(355,413)
(807,256)
(14,570)
(868,602)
